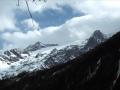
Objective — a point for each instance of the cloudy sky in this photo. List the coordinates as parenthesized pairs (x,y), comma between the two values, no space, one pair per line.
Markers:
(55,21)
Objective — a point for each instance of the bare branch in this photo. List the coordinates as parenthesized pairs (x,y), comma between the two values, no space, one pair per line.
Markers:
(28,8)
(26,1)
(18,3)
(29,12)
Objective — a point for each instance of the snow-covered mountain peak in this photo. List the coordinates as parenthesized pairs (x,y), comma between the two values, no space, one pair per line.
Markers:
(38,45)
(41,56)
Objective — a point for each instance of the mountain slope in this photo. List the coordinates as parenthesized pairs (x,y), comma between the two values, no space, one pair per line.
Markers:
(97,69)
(17,60)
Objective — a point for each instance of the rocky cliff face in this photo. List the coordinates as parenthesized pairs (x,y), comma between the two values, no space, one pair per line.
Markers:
(97,69)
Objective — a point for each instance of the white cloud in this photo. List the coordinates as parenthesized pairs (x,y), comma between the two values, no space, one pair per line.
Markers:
(60,35)
(86,6)
(30,24)
(19,39)
(7,20)
(78,28)
(100,14)
(7,23)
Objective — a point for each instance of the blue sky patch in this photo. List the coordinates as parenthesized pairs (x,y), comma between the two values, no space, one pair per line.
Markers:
(48,17)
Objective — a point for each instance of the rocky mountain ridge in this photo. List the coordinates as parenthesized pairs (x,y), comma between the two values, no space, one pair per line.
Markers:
(97,69)
(18,60)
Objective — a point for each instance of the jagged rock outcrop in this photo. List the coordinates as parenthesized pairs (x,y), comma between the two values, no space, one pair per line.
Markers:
(12,55)
(96,38)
